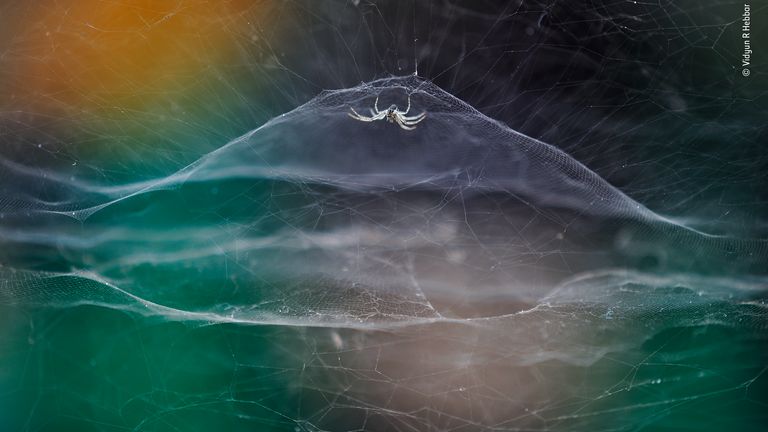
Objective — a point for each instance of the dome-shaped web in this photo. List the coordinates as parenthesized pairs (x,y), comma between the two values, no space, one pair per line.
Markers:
(317,218)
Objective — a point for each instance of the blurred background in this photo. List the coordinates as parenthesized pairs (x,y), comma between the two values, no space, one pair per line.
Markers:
(648,95)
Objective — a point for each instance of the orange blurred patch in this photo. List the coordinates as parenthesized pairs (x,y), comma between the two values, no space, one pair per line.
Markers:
(95,53)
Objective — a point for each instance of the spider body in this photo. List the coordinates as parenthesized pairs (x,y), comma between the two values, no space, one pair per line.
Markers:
(391,114)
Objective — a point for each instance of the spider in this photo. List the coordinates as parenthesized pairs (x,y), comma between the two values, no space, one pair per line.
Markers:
(391,114)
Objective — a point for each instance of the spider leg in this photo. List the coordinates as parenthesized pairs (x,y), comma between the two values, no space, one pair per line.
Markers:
(408,108)
(415,119)
(357,116)
(403,124)
(376,104)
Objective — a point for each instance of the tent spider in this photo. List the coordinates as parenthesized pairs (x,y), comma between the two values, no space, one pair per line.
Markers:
(391,114)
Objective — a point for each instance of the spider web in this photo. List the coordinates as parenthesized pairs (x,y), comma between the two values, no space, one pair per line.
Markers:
(573,238)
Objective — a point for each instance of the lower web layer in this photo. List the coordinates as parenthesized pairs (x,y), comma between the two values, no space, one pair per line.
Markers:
(659,356)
